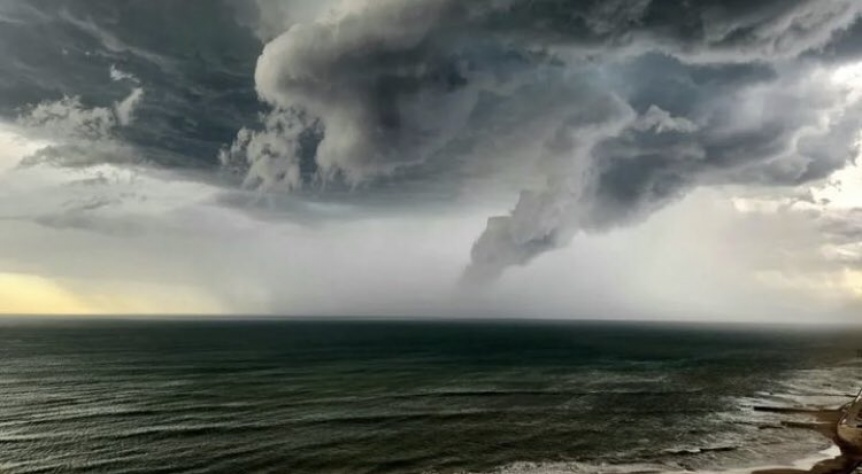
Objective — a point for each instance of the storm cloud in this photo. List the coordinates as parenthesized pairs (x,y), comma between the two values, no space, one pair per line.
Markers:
(291,148)
(608,110)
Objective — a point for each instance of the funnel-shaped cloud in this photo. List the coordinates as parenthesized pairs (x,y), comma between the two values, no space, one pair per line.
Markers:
(614,107)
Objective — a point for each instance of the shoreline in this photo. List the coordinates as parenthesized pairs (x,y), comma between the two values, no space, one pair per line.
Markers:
(838,459)
(833,460)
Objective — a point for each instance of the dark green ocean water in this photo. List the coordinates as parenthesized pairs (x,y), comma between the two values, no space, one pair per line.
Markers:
(406,397)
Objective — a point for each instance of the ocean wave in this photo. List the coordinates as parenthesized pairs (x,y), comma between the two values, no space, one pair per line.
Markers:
(588,468)
(800,395)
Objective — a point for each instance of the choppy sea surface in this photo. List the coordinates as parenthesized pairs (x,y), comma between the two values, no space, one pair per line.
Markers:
(409,397)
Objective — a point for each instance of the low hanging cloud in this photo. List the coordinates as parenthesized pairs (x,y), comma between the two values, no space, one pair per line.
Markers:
(614,108)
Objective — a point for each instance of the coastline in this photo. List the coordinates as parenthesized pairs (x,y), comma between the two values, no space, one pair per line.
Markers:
(833,460)
(839,459)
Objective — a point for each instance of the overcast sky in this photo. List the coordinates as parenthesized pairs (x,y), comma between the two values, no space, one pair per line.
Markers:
(646,159)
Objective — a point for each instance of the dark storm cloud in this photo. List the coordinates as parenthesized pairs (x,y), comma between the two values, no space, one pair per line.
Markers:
(692,93)
(602,111)
(703,30)
(192,58)
(394,82)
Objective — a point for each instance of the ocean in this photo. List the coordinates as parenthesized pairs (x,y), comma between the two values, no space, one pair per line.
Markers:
(384,397)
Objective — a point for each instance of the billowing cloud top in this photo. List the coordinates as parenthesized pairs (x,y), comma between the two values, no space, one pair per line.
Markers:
(616,106)
(595,112)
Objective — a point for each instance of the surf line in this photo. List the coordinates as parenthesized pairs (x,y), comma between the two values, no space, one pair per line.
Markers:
(843,426)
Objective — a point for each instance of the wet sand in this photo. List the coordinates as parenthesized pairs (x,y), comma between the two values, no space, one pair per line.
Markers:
(825,422)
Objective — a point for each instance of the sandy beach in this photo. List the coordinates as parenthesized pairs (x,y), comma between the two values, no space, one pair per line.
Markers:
(825,422)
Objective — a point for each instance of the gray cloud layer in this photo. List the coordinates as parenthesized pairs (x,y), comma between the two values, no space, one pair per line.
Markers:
(588,116)
(611,108)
